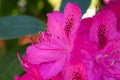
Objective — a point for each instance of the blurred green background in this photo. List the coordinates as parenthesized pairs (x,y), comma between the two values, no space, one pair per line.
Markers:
(20,20)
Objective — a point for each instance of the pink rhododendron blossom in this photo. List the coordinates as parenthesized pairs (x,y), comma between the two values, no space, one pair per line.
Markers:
(97,39)
(103,34)
(75,49)
(55,45)
(104,27)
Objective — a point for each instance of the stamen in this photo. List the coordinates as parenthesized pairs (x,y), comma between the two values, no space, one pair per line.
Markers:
(44,48)
(24,65)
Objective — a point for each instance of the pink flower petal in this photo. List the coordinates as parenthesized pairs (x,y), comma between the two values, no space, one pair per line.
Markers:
(52,68)
(72,15)
(83,48)
(55,20)
(43,53)
(114,6)
(55,45)
(85,27)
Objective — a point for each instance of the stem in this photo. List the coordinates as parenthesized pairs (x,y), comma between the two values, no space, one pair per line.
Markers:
(94,4)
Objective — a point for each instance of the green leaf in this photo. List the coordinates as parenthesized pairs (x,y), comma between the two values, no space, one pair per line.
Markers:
(18,26)
(83,4)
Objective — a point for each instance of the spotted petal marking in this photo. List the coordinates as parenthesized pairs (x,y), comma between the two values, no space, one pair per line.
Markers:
(72,15)
(102,36)
(75,72)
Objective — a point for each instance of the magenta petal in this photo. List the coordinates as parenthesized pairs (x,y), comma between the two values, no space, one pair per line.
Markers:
(114,6)
(85,27)
(83,32)
(54,24)
(48,53)
(83,48)
(103,28)
(72,10)
(52,68)
(72,16)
